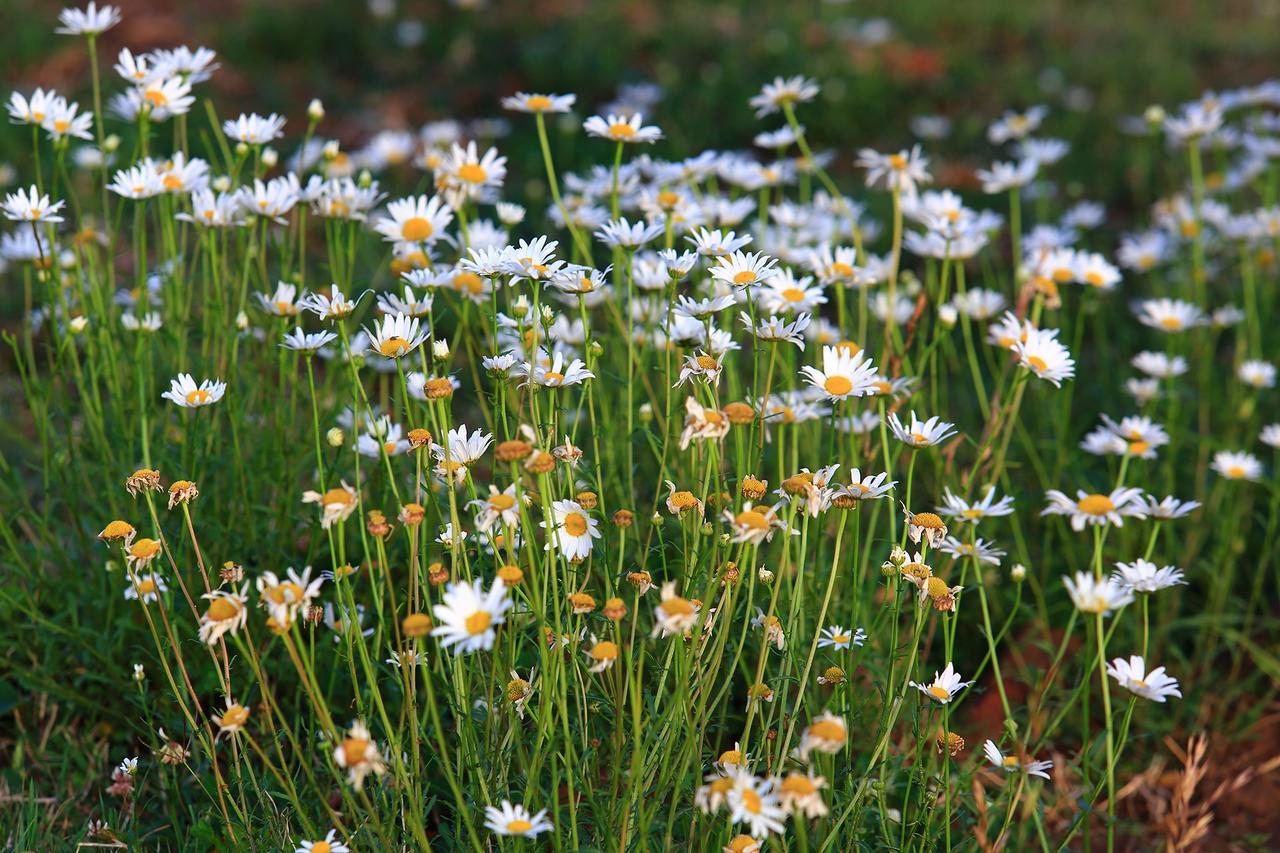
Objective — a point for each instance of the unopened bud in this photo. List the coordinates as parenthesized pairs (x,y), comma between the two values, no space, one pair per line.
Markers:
(315,110)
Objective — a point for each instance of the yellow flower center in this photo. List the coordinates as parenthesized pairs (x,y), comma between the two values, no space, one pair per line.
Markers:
(394,347)
(751,801)
(828,730)
(897,161)
(156,97)
(553,377)
(285,593)
(469,282)
(538,103)
(973,512)
(172,182)
(940,693)
(837,386)
(222,609)
(842,270)
(575,524)
(144,548)
(234,717)
(706,362)
(604,650)
(518,826)
(198,397)
(478,622)
(1009,761)
(502,501)
(1171,323)
(145,586)
(416,229)
(752,519)
(1096,505)
(798,785)
(1137,448)
(321,847)
(621,130)
(793,294)
(744,277)
(473,173)
(353,750)
(1235,472)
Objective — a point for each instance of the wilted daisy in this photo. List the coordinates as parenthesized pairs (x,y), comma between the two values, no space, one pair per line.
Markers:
(227,612)
(336,505)
(843,374)
(1012,764)
(284,598)
(622,129)
(754,524)
(358,754)
(1087,509)
(574,530)
(917,433)
(827,734)
(468,615)
(673,614)
(944,687)
(509,819)
(602,654)
(1237,465)
(232,718)
(1091,595)
(184,391)
(1132,675)
(835,637)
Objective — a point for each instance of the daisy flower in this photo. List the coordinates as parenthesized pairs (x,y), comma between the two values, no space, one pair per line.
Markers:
(843,374)
(227,612)
(308,343)
(602,654)
(783,91)
(753,525)
(358,754)
(1257,374)
(574,530)
(1168,507)
(92,20)
(555,374)
(744,269)
(1012,764)
(919,433)
(864,487)
(1159,365)
(328,844)
(1270,435)
(799,794)
(786,294)
(980,549)
(1015,125)
(673,614)
(336,505)
(622,129)
(715,243)
(145,587)
(31,206)
(1144,576)
(281,303)
(509,819)
(498,506)
(232,718)
(628,235)
(755,802)
(835,637)
(1095,508)
(254,129)
(525,102)
(944,687)
(284,598)
(1237,465)
(1169,315)
(396,336)
(1091,595)
(777,330)
(902,171)
(1040,352)
(466,169)
(972,512)
(1132,675)
(184,392)
(826,734)
(467,616)
(415,220)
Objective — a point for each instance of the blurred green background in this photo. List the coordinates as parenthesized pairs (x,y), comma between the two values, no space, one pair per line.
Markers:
(404,62)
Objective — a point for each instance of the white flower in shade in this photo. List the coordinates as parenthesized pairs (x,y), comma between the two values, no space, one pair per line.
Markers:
(396,336)
(284,598)
(972,512)
(330,306)
(1158,365)
(980,549)
(497,507)
(149,322)
(415,220)
(1004,176)
(283,302)
(844,374)
(165,97)
(1258,374)
(1041,353)
(772,626)
(625,129)
(255,129)
(468,615)
(1096,508)
(1015,125)
(328,844)
(525,102)
(1144,576)
(1270,435)
(1132,675)
(272,199)
(33,110)
(1169,315)
(554,374)
(1012,764)
(510,819)
(1168,507)
(358,754)
(902,171)
(146,586)
(89,21)
(754,524)
(1195,121)
(716,244)
(307,343)
(213,210)
(944,687)
(184,391)
(783,90)
(835,637)
(744,269)
(1237,465)
(336,505)
(628,235)
(755,802)
(31,206)
(1093,595)
(65,120)
(574,529)
(917,433)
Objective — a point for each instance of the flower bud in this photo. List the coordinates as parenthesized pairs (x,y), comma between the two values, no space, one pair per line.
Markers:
(270,157)
(315,110)
(335,437)
(440,348)
(1018,573)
